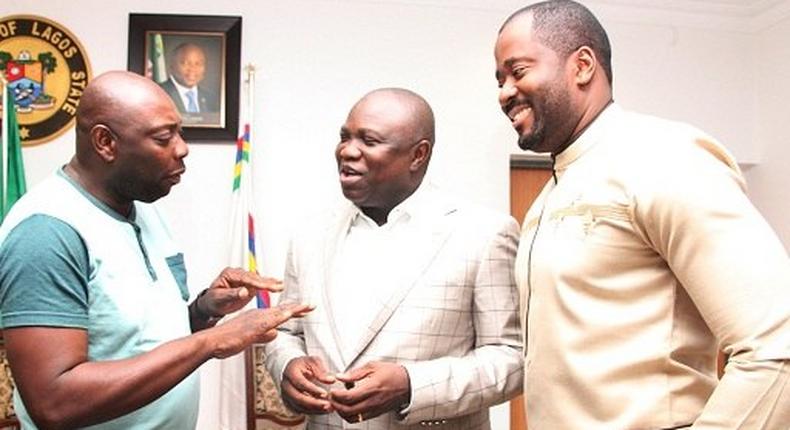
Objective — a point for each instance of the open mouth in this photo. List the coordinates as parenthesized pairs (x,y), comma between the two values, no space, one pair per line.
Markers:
(348,172)
(518,113)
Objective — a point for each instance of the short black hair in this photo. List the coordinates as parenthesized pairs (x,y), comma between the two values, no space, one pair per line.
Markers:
(565,26)
(183,46)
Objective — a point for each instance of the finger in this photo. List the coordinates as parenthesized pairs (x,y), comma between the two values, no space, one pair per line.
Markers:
(325,378)
(273,317)
(353,396)
(226,296)
(304,385)
(296,309)
(235,278)
(268,336)
(272,284)
(352,412)
(304,402)
(319,371)
(253,280)
(355,375)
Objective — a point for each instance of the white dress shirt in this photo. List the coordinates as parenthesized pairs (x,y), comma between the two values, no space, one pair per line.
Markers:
(367,271)
(182,93)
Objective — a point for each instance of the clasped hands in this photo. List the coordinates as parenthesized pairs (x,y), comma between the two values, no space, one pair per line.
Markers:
(371,390)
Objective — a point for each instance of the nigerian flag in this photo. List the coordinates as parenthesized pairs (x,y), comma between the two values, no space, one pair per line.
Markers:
(157,58)
(12,184)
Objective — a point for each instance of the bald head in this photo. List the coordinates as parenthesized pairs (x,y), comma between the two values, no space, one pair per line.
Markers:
(384,149)
(115,99)
(129,145)
(419,119)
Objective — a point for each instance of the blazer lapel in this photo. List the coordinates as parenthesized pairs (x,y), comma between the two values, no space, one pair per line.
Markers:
(429,239)
(333,243)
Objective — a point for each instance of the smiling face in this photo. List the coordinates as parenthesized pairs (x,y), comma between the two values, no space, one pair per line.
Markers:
(376,154)
(534,88)
(189,65)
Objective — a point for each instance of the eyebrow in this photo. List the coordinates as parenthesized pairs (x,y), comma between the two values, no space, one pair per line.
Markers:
(509,64)
(364,131)
(174,126)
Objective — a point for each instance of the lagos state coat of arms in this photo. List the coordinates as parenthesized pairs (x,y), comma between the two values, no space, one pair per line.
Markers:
(47,70)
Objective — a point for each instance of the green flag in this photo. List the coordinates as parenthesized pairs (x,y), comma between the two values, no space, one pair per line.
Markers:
(12,184)
(158,67)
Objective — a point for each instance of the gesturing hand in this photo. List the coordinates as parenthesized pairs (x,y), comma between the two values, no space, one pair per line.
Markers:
(300,388)
(373,389)
(251,326)
(232,290)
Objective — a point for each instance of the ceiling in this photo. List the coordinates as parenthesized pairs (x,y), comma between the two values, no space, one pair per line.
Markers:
(737,15)
(744,8)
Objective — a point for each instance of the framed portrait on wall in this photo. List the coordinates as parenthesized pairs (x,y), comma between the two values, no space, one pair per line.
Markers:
(195,59)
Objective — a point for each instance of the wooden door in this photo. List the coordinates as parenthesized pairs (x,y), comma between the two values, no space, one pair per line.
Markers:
(527,177)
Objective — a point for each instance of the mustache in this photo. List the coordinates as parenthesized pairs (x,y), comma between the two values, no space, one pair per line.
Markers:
(513,102)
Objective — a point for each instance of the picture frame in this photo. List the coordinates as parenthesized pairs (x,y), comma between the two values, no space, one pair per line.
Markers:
(196,59)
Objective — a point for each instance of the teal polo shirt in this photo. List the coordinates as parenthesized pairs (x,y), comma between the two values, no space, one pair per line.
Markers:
(68,260)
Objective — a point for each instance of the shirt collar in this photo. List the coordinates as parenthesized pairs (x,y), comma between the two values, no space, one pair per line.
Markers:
(182,89)
(412,207)
(96,202)
(592,135)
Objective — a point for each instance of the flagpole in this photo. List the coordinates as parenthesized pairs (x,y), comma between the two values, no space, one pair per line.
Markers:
(249,69)
(4,154)
(250,81)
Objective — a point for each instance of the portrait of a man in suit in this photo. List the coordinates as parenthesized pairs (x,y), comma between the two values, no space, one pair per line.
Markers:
(186,71)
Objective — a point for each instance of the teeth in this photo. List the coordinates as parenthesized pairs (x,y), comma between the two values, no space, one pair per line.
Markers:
(522,112)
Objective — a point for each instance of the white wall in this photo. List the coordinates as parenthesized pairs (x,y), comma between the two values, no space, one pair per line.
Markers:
(769,180)
(316,57)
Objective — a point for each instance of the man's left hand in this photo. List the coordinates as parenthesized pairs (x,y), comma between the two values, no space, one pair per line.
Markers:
(232,290)
(373,389)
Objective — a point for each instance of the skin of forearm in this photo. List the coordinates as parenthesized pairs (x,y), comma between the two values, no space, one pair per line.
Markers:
(94,392)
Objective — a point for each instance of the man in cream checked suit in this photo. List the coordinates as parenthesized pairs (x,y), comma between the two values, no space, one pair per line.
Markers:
(416,321)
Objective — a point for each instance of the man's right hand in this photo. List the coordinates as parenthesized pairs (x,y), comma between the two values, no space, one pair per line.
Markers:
(300,386)
(252,326)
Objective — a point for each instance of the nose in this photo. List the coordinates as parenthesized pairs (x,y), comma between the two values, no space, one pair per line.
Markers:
(506,92)
(348,150)
(181,147)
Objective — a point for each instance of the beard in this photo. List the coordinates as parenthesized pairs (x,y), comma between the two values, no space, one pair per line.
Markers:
(551,107)
(533,137)
(133,185)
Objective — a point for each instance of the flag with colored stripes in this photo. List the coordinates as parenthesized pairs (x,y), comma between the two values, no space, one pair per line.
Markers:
(244,253)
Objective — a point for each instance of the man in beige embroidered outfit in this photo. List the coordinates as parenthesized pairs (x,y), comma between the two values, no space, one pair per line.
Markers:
(641,257)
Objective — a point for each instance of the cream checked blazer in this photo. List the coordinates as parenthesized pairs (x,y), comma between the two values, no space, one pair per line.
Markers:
(453,324)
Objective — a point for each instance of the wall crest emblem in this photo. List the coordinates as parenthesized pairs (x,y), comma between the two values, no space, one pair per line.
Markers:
(47,69)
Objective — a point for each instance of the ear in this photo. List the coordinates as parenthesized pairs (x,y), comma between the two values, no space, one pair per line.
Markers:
(585,65)
(421,154)
(104,142)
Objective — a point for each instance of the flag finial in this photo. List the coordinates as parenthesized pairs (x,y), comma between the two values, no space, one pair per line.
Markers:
(249,69)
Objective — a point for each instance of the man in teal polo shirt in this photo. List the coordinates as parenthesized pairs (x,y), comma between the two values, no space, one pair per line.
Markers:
(93,290)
